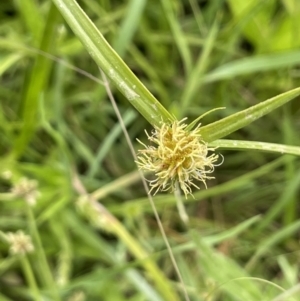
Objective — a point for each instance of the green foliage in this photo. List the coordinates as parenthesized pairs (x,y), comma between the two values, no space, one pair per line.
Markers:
(265,32)
(58,128)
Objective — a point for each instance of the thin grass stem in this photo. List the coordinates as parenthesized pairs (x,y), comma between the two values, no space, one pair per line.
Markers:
(109,93)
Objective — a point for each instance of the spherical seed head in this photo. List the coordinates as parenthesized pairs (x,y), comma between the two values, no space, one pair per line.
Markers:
(20,243)
(95,212)
(176,156)
(77,296)
(27,189)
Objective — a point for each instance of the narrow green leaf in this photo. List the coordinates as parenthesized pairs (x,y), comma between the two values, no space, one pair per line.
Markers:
(7,61)
(129,25)
(222,269)
(111,64)
(253,64)
(196,121)
(291,189)
(255,145)
(271,241)
(32,18)
(142,285)
(239,120)
(108,142)
(195,80)
(38,79)
(178,35)
(231,233)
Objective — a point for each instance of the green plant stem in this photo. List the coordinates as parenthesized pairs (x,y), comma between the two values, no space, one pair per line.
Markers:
(28,9)
(288,131)
(115,185)
(195,80)
(180,205)
(27,270)
(105,220)
(160,280)
(37,82)
(43,264)
(178,35)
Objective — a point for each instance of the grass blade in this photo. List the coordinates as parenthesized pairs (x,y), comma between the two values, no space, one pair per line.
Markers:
(253,64)
(129,25)
(111,64)
(8,61)
(178,35)
(195,80)
(273,240)
(35,24)
(238,120)
(256,145)
(38,79)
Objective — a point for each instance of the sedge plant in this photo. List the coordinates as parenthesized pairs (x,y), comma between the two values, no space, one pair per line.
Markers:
(176,155)
(167,128)
(180,154)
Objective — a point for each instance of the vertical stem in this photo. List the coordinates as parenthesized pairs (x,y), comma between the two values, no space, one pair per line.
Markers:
(36,83)
(27,270)
(110,223)
(43,264)
(180,205)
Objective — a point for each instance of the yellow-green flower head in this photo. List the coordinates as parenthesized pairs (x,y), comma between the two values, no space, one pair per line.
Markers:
(177,156)
(20,243)
(27,189)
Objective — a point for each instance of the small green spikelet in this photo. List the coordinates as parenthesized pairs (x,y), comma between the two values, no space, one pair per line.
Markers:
(177,156)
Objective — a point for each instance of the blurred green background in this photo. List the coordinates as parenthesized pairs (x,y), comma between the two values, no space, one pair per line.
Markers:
(56,121)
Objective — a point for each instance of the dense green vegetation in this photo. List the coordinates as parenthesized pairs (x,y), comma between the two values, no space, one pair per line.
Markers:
(93,230)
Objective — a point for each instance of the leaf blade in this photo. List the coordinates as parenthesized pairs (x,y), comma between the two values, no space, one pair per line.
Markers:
(256,145)
(253,64)
(111,64)
(239,120)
